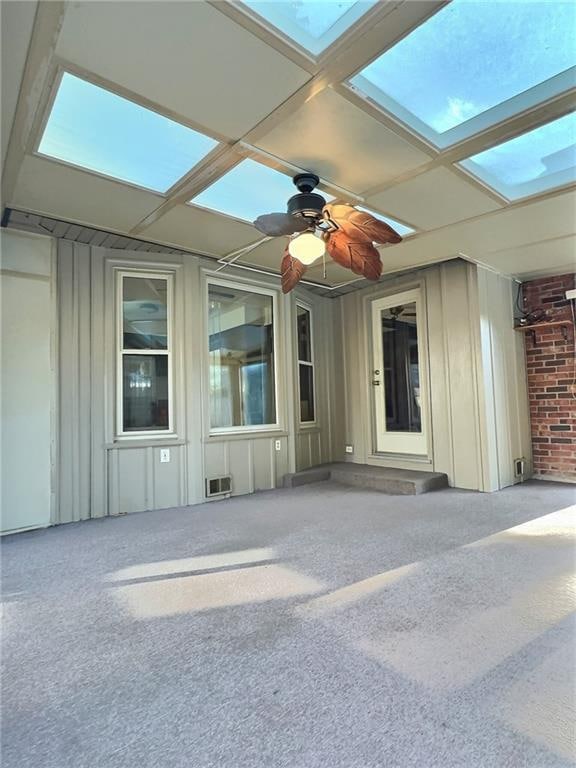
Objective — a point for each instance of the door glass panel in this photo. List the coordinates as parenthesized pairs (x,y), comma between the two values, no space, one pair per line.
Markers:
(401,368)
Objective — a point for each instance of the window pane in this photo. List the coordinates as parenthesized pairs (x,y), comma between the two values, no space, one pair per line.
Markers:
(144,303)
(247,191)
(98,130)
(401,368)
(541,159)
(303,324)
(145,392)
(241,344)
(306,393)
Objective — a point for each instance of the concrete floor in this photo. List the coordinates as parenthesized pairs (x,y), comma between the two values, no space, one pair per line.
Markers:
(313,627)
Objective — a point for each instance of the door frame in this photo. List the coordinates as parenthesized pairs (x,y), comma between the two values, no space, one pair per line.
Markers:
(407,444)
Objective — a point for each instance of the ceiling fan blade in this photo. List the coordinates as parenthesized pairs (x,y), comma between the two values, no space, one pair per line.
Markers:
(361,224)
(360,256)
(276,224)
(291,271)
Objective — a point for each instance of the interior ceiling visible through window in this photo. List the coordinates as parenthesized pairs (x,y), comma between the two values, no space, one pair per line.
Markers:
(95,129)
(472,65)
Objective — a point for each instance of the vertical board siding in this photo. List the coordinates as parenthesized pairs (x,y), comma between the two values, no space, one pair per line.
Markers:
(461,371)
(98,475)
(75,384)
(240,462)
(504,376)
(441,444)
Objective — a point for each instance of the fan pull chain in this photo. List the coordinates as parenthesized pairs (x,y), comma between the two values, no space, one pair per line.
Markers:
(324,265)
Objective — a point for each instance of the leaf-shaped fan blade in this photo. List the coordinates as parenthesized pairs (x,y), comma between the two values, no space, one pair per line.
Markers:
(361,257)
(360,223)
(276,224)
(291,270)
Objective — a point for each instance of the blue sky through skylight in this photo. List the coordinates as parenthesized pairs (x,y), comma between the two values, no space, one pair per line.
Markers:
(100,131)
(314,25)
(247,191)
(470,57)
(534,162)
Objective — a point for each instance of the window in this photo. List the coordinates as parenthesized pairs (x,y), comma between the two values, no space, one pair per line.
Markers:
(531,163)
(247,191)
(95,129)
(305,364)
(313,24)
(242,379)
(472,65)
(145,381)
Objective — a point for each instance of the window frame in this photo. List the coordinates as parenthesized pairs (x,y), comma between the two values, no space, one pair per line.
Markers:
(247,288)
(310,363)
(121,351)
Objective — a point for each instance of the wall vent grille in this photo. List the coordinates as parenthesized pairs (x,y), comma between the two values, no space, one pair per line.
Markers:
(217,486)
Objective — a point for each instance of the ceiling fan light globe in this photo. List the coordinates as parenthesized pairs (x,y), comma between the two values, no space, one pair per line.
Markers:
(307,248)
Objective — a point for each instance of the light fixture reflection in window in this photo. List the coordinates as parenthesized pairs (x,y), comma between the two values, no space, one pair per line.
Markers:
(139,381)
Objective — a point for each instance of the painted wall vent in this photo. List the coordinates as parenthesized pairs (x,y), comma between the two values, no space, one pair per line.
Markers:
(216,486)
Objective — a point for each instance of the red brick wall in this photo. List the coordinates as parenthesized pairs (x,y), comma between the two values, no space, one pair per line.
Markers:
(550,364)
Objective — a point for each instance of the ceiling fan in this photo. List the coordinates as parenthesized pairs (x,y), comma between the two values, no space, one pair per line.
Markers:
(316,227)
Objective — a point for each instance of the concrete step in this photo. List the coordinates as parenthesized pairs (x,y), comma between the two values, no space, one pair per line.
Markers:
(383,479)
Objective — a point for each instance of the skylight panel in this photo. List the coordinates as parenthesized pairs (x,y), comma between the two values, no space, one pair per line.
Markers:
(313,25)
(474,64)
(402,229)
(534,162)
(247,191)
(97,130)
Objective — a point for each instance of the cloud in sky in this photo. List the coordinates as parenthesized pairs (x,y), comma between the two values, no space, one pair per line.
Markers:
(456,112)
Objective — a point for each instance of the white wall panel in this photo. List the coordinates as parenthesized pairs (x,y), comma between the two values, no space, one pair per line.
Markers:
(27,380)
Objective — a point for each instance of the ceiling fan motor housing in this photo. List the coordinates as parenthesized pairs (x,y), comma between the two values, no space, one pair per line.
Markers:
(307,204)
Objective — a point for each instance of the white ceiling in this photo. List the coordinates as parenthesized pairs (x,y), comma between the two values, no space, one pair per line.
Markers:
(214,68)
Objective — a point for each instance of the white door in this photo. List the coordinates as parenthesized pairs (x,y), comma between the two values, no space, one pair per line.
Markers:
(398,382)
